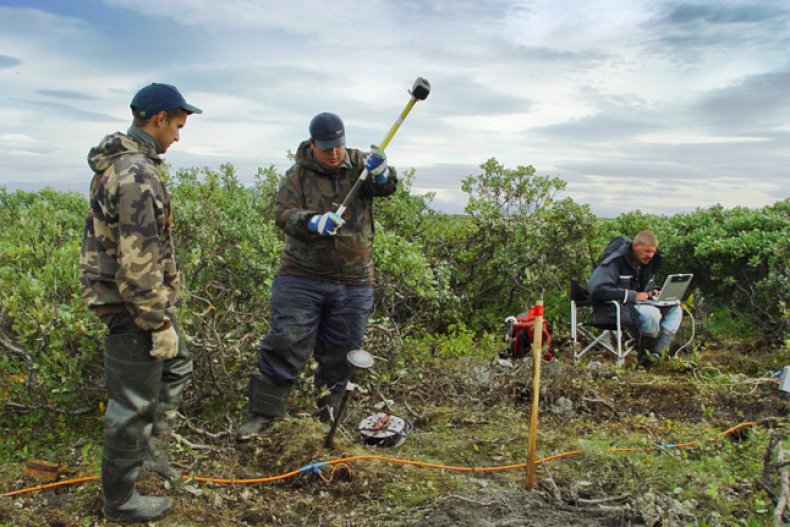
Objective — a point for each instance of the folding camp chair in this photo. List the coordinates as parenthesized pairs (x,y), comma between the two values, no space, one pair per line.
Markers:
(580,298)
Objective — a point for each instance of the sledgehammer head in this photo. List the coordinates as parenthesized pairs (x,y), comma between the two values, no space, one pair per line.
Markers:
(420,89)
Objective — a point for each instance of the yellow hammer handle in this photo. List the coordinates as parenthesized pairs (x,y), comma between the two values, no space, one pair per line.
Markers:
(391,133)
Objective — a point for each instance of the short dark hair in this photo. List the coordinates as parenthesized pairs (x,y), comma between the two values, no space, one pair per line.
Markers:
(139,122)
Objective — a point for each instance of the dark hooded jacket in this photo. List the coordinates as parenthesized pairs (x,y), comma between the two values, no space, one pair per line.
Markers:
(308,189)
(619,277)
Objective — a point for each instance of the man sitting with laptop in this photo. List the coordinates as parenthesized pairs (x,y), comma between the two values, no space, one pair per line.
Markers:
(625,274)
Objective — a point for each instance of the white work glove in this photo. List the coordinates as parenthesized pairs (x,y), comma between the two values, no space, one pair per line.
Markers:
(165,343)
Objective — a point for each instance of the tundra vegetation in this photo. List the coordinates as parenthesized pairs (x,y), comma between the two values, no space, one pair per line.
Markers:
(445,284)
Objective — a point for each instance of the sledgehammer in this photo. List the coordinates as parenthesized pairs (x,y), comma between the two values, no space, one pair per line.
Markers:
(419,92)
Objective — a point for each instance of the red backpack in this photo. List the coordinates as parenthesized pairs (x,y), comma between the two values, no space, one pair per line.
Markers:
(523,333)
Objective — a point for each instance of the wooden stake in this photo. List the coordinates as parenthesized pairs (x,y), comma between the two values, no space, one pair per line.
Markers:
(537,358)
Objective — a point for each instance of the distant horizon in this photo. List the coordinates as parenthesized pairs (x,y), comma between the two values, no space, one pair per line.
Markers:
(83,189)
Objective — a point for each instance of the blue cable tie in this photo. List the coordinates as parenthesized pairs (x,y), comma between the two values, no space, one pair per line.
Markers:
(668,445)
(314,467)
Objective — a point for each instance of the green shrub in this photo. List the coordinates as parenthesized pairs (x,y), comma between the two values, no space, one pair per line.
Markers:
(740,259)
(523,241)
(444,283)
(52,362)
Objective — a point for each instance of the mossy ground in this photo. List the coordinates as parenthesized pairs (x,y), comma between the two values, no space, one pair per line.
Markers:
(470,413)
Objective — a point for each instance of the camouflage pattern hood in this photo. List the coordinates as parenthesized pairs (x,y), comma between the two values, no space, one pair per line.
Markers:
(113,147)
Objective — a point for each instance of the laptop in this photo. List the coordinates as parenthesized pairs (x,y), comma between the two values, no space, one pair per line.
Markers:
(672,291)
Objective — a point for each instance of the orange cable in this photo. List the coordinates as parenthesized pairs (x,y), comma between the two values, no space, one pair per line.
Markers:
(336,463)
(50,486)
(244,481)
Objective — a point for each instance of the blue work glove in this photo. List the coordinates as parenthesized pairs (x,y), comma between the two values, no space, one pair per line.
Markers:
(376,164)
(325,224)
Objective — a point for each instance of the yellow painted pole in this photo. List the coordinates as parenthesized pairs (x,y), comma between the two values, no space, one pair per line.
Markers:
(402,117)
(537,352)
(419,91)
(381,146)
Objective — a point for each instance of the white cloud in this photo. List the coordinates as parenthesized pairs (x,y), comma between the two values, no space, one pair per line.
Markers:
(615,97)
(686,137)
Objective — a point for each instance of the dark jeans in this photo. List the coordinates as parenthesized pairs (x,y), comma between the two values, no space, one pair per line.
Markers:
(313,318)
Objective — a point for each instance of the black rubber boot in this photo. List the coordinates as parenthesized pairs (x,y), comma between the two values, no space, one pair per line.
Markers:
(157,457)
(329,405)
(267,401)
(176,373)
(644,352)
(122,503)
(662,343)
(133,380)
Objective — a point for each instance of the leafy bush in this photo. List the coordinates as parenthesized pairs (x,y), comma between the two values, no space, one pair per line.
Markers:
(445,282)
(522,241)
(459,341)
(227,245)
(740,259)
(52,358)
(228,250)
(413,287)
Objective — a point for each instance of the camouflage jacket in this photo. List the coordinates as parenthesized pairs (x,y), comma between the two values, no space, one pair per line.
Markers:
(127,257)
(308,189)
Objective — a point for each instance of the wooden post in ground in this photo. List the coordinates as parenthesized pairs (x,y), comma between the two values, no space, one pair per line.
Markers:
(537,352)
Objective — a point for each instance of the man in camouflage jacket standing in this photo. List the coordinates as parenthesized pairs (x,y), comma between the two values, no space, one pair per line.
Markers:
(323,292)
(130,280)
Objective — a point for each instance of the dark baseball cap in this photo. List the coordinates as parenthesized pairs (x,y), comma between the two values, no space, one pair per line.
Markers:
(327,131)
(157,97)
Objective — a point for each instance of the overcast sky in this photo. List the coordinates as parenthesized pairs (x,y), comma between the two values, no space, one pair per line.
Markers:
(653,105)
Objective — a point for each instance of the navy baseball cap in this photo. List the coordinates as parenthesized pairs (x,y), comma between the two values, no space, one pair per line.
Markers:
(157,97)
(327,131)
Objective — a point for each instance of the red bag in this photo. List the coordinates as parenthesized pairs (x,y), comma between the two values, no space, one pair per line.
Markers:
(523,333)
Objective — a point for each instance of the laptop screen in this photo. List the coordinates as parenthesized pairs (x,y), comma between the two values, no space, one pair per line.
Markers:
(675,287)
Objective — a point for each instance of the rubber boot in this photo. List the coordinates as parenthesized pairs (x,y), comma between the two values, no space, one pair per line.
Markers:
(133,381)
(267,401)
(329,405)
(157,457)
(662,343)
(176,373)
(644,352)
(122,503)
